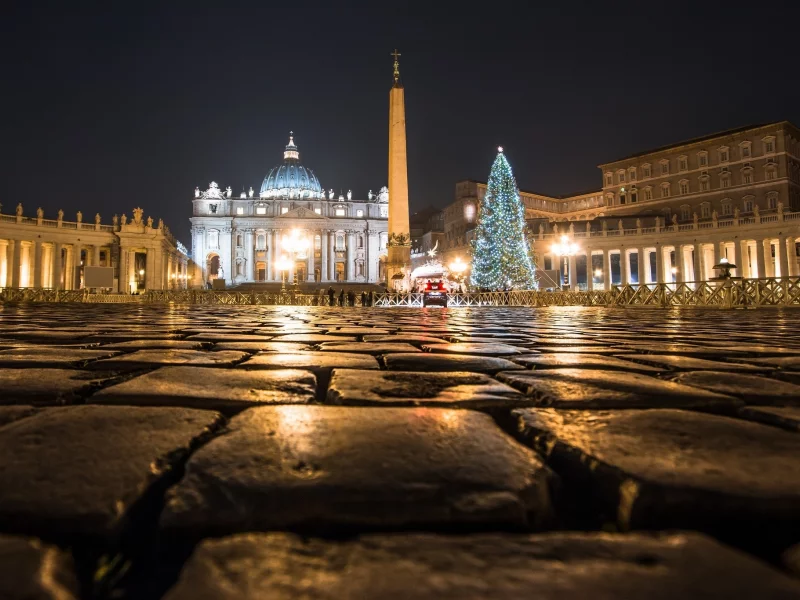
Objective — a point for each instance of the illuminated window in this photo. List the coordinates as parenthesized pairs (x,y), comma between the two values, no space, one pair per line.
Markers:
(318,211)
(359,213)
(284,210)
(261,210)
(339,212)
(384,211)
(239,210)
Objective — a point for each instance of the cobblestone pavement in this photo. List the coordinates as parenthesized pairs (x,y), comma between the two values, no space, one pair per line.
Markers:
(262,452)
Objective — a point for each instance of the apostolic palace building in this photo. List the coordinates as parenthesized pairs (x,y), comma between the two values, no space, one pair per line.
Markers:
(661,216)
(239,238)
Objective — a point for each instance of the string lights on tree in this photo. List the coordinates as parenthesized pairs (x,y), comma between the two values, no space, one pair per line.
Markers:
(501,255)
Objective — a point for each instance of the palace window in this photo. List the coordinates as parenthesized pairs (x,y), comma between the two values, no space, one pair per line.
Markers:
(621,177)
(727,208)
(686,212)
(648,193)
(723,154)
(748,205)
(684,186)
(702,159)
(359,213)
(704,184)
(609,180)
(665,167)
(683,164)
(705,210)
(622,198)
(745,149)
(747,176)
(665,190)
(240,210)
(632,174)
(725,180)
(634,196)
(646,171)
(261,210)
(772,201)
(769,145)
(771,172)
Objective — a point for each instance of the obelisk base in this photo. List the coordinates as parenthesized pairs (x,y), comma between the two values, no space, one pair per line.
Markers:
(398,262)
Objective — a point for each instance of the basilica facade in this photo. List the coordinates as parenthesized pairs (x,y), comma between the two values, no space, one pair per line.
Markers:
(292,228)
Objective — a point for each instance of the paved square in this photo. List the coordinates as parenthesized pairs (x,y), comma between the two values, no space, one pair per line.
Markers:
(304,441)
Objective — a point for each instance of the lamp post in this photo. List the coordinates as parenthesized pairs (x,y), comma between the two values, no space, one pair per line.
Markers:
(457,267)
(566,249)
(283,264)
(295,246)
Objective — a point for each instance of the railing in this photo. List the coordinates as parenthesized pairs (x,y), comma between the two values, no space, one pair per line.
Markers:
(730,293)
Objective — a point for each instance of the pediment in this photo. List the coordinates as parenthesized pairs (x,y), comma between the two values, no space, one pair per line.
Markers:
(300,213)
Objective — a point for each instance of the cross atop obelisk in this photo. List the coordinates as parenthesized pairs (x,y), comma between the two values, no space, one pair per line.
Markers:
(399,243)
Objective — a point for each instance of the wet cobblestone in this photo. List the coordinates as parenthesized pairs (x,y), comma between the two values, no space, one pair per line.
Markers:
(383,453)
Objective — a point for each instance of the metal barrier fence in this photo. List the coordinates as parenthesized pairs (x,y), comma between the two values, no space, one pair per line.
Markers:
(731,293)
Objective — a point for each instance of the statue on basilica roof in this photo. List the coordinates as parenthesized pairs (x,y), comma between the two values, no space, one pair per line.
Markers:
(383,195)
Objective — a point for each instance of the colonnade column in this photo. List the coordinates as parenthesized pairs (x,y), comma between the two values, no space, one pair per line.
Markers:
(760,262)
(660,264)
(606,270)
(275,251)
(37,264)
(791,256)
(573,272)
(739,271)
(623,267)
(697,267)
(783,246)
(16,264)
(4,264)
(348,267)
(96,258)
(323,255)
(250,271)
(642,271)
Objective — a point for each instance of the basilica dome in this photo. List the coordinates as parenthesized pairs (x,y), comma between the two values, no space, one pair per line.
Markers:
(291,179)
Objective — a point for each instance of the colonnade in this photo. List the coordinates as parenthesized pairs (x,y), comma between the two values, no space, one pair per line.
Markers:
(40,264)
(664,262)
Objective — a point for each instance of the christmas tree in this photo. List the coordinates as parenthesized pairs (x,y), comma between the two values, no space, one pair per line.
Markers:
(501,256)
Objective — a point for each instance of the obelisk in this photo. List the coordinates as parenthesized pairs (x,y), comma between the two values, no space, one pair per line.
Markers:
(399,242)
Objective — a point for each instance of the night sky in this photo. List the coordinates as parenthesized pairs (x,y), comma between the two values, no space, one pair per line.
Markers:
(114,105)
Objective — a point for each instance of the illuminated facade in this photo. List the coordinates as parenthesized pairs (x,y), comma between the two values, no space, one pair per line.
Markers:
(240,239)
(53,253)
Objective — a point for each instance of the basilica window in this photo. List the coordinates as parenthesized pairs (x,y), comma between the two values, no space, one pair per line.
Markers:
(318,211)
(384,211)
(634,196)
(213,238)
(261,210)
(212,208)
(340,242)
(360,241)
(239,243)
(284,210)
(239,210)
(359,213)
(339,212)
(261,241)
(239,268)
(665,190)
(384,238)
(317,242)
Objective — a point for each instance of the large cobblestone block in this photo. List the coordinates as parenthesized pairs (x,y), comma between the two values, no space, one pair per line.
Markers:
(565,566)
(32,570)
(279,467)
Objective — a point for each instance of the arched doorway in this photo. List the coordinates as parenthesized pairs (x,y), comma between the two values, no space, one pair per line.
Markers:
(212,268)
(261,271)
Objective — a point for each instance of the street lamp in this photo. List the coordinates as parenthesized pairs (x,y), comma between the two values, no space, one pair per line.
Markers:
(457,268)
(283,264)
(295,246)
(566,249)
